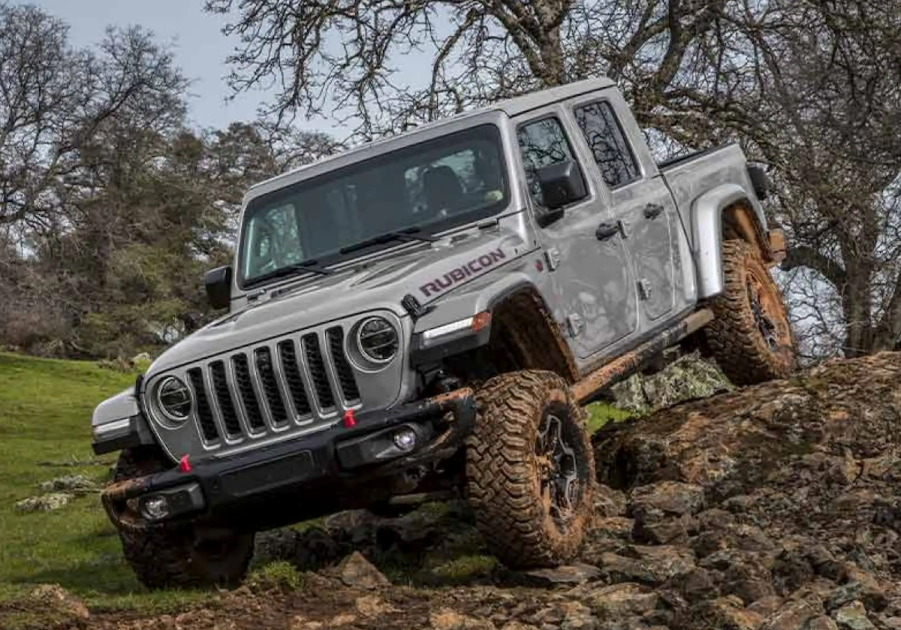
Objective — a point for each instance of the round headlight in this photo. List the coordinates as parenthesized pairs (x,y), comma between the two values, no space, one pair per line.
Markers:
(174,399)
(377,340)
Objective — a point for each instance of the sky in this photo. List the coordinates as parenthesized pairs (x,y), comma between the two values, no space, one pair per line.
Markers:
(199,46)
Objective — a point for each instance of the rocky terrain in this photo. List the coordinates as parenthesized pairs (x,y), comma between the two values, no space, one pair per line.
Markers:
(774,507)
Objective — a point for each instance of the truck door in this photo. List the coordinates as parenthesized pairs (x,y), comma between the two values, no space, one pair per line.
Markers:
(596,297)
(641,201)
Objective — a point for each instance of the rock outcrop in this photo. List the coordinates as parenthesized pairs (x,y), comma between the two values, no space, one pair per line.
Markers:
(687,378)
(771,507)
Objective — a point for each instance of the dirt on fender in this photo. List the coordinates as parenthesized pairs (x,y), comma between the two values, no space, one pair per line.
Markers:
(772,507)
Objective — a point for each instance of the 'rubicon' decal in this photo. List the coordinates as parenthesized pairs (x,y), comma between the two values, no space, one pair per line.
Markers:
(474,267)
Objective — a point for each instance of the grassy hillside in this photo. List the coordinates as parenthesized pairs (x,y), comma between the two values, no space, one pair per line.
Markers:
(45,420)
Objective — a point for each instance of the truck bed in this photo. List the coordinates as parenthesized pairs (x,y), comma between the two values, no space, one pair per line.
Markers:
(690,176)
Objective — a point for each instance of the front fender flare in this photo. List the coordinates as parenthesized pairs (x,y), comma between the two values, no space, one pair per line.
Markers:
(118,423)
(476,298)
(472,299)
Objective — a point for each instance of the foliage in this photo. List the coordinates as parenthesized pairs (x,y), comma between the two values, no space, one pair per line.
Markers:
(464,569)
(600,413)
(111,208)
(278,575)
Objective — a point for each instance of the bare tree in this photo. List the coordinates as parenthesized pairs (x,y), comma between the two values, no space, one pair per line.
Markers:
(39,102)
(336,56)
(824,112)
(53,100)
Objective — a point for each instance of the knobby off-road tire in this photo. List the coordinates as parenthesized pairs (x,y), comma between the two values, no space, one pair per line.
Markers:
(175,554)
(750,336)
(517,480)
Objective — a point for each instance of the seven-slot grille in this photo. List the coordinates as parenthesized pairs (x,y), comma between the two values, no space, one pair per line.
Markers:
(291,382)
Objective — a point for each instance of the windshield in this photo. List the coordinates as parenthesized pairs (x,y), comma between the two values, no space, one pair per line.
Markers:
(433,186)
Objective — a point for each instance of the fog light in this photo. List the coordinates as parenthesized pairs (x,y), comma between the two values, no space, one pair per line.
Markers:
(405,439)
(155,508)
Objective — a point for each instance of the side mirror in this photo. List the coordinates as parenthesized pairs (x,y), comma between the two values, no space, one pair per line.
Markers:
(218,284)
(561,184)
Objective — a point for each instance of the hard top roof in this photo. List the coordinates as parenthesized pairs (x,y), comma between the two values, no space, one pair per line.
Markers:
(512,107)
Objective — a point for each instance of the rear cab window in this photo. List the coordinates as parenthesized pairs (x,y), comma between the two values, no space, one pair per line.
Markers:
(608,143)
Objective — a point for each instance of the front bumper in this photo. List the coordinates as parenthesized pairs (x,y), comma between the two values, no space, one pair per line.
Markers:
(335,469)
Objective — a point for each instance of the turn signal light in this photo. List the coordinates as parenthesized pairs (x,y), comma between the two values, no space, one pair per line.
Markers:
(480,321)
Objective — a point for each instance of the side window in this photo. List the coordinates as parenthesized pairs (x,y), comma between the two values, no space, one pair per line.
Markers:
(607,143)
(542,143)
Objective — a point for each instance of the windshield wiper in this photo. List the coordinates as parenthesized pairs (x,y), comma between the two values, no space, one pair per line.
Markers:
(408,234)
(290,270)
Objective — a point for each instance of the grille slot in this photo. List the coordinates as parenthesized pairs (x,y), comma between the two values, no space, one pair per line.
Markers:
(204,413)
(288,356)
(316,365)
(248,396)
(274,389)
(345,373)
(224,398)
(266,371)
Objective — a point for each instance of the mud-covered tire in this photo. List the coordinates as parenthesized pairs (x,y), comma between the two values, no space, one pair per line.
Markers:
(750,336)
(505,469)
(175,554)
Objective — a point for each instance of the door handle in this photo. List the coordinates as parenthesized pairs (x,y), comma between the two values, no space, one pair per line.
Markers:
(653,210)
(607,230)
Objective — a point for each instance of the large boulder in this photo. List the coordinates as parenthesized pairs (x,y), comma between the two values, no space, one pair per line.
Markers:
(687,378)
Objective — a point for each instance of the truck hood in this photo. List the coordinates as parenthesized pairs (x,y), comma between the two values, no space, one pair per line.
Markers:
(426,270)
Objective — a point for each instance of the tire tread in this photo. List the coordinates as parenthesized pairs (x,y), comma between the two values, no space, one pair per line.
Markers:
(732,336)
(501,472)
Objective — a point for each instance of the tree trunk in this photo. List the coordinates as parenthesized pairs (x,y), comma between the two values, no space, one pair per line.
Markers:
(857,310)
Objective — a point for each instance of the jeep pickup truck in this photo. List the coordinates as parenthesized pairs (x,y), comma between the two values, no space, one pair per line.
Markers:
(425,316)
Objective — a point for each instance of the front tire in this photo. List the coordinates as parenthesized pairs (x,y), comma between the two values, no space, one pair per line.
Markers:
(529,469)
(178,554)
(750,336)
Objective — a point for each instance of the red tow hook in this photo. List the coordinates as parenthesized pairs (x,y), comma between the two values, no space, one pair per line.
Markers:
(184,465)
(349,420)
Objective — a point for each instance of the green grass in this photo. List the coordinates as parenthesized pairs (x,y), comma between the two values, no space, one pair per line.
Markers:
(278,575)
(45,432)
(600,414)
(465,568)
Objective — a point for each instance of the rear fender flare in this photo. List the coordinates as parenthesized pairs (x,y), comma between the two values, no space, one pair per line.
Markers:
(707,218)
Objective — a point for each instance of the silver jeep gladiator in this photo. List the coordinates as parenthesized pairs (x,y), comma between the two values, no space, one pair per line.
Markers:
(425,316)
